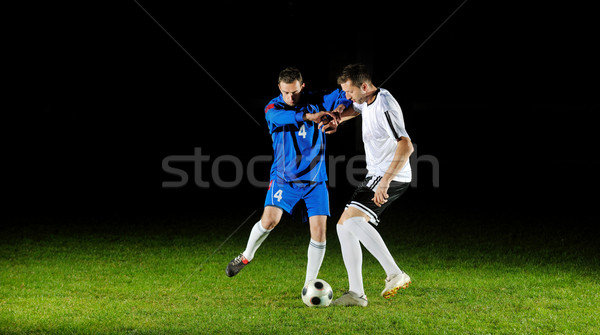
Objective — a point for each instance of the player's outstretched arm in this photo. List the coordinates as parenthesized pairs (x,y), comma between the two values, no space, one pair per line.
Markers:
(319,117)
(326,120)
(340,114)
(343,113)
(277,116)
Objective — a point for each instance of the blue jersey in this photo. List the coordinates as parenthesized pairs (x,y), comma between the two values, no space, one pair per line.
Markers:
(299,146)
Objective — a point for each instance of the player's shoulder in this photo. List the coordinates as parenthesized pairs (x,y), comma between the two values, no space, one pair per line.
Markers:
(385,95)
(312,100)
(387,102)
(276,102)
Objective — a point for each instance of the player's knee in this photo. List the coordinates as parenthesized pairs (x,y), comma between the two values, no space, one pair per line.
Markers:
(269,223)
(270,217)
(319,234)
(318,229)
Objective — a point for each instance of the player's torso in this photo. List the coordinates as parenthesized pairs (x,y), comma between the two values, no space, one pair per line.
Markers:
(374,132)
(380,147)
(299,149)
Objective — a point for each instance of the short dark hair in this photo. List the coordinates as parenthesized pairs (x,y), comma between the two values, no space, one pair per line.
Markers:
(289,75)
(357,73)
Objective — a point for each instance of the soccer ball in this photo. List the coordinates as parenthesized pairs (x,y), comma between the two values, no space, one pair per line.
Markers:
(317,293)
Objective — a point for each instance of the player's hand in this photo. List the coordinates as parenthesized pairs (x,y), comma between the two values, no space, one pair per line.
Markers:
(337,113)
(337,117)
(328,124)
(330,127)
(316,117)
(327,121)
(381,194)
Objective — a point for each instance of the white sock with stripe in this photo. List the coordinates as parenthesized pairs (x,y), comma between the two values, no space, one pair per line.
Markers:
(373,242)
(352,255)
(257,236)
(316,253)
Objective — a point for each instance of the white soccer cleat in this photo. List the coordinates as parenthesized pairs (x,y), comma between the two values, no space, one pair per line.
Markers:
(351,299)
(393,283)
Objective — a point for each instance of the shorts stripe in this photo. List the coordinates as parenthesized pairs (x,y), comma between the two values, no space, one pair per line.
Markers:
(374,183)
(374,218)
(362,199)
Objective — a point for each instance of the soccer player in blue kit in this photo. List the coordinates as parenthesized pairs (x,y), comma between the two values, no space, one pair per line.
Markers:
(299,166)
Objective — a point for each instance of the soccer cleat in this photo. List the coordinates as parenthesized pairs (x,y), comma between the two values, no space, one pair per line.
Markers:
(351,299)
(236,265)
(393,283)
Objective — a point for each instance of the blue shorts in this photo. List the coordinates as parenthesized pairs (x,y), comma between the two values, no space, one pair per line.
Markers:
(287,195)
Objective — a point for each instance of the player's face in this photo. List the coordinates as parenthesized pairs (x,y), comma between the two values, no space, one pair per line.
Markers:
(354,93)
(291,92)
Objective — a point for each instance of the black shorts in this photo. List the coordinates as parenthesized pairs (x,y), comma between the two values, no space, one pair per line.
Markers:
(364,193)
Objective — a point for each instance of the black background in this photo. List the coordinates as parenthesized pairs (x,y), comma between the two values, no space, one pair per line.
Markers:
(503,95)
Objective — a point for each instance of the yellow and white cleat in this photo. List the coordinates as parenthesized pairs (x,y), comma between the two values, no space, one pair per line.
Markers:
(393,283)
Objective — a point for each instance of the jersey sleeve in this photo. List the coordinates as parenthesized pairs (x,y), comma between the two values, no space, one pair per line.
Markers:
(334,99)
(357,107)
(394,122)
(277,116)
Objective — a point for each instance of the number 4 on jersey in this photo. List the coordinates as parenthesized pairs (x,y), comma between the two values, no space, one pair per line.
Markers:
(302,132)
(278,195)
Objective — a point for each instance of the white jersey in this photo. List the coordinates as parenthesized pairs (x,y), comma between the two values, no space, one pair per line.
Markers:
(382,126)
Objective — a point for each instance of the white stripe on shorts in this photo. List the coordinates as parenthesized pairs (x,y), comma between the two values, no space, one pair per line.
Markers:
(373,183)
(373,218)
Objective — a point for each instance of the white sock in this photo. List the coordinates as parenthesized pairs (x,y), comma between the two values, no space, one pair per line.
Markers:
(371,239)
(352,255)
(257,236)
(316,253)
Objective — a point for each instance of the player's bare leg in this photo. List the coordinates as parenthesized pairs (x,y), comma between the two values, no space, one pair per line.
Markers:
(352,212)
(270,218)
(317,245)
(318,227)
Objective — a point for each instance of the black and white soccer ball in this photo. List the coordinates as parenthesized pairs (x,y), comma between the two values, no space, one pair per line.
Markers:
(317,293)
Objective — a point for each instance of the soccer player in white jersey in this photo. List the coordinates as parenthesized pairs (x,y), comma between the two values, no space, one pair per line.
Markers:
(388,148)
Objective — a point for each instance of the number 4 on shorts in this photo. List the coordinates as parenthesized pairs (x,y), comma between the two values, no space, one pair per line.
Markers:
(278,195)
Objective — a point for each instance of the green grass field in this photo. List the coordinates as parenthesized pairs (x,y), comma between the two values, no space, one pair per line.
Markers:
(471,275)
